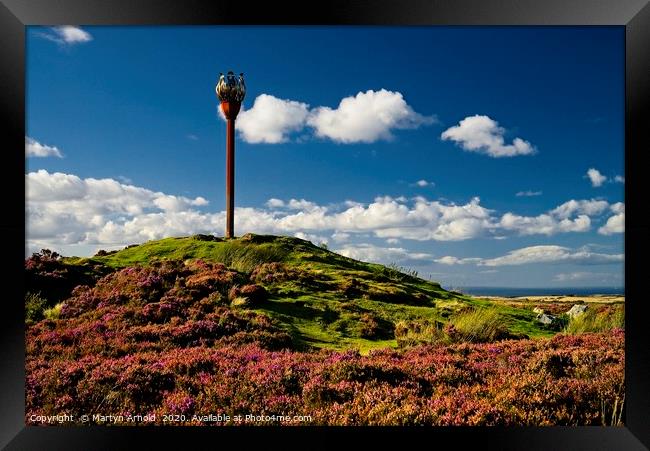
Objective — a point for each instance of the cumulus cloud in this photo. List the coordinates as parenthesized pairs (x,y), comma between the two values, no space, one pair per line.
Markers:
(571,216)
(367,117)
(552,254)
(482,134)
(67,35)
(618,207)
(271,120)
(619,179)
(585,207)
(35,149)
(66,209)
(528,193)
(597,179)
(275,203)
(615,223)
(544,224)
(375,254)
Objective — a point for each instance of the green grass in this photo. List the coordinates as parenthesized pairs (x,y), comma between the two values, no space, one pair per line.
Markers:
(332,301)
(593,321)
(236,254)
(35,304)
(480,325)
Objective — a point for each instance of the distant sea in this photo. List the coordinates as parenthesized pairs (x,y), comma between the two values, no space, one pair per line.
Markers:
(512,292)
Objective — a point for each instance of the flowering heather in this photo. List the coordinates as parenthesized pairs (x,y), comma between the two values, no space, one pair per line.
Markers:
(193,369)
(174,338)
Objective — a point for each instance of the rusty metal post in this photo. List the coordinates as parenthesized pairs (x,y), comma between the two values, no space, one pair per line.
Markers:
(230,179)
(231,92)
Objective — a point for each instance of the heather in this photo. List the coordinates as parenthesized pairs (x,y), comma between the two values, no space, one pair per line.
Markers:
(566,380)
(269,325)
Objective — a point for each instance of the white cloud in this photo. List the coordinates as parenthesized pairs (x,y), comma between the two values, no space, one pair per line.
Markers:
(375,254)
(551,254)
(581,275)
(618,207)
(558,220)
(367,117)
(275,203)
(597,179)
(528,193)
(619,179)
(482,134)
(450,260)
(302,204)
(35,149)
(423,183)
(67,35)
(315,239)
(271,120)
(64,209)
(614,224)
(125,180)
(340,237)
(543,224)
(586,207)
(174,203)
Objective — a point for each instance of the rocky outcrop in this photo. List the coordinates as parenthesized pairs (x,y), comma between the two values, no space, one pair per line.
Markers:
(576,310)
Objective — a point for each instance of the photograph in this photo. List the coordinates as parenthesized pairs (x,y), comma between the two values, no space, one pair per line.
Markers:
(325,225)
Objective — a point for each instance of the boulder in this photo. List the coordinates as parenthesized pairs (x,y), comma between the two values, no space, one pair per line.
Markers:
(547,319)
(576,310)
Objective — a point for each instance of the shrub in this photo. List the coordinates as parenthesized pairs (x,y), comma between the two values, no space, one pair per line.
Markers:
(47,273)
(414,333)
(566,380)
(394,294)
(275,272)
(372,327)
(597,320)
(480,325)
(34,307)
(53,312)
(352,288)
(244,257)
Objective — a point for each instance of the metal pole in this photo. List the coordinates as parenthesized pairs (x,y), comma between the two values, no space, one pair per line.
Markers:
(230,179)
(231,92)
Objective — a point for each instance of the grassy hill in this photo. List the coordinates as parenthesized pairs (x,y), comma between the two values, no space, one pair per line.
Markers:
(326,300)
(289,332)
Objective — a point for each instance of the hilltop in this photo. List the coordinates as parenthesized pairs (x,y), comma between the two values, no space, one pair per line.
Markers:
(322,299)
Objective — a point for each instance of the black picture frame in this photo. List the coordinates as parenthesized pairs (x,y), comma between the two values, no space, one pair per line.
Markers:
(634,15)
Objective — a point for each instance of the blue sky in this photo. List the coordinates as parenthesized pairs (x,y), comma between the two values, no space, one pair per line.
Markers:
(125,143)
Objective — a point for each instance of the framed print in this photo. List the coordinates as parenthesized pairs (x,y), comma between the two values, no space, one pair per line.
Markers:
(360,216)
